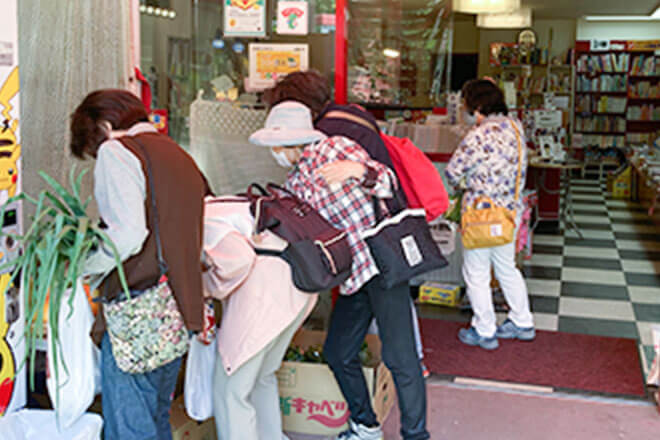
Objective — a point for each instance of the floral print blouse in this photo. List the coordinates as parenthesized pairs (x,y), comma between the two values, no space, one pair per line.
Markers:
(487,159)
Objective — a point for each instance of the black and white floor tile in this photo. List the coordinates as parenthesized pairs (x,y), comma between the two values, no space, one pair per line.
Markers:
(608,282)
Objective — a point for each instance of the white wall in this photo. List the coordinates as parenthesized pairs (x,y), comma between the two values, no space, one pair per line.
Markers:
(618,30)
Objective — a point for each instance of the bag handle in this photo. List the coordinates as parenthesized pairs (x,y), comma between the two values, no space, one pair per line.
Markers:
(273,188)
(339,114)
(162,264)
(259,188)
(520,159)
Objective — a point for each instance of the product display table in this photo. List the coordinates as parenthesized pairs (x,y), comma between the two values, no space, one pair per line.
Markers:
(646,183)
(566,167)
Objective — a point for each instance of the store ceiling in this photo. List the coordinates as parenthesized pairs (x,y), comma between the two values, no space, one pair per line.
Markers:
(579,8)
(558,8)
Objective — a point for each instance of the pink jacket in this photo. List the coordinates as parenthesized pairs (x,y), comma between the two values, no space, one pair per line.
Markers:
(258,296)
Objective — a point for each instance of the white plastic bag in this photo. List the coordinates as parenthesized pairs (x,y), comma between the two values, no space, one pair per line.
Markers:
(35,424)
(654,374)
(81,358)
(198,387)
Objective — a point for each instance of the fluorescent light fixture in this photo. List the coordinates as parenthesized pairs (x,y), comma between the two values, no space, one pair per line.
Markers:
(485,6)
(518,19)
(391,53)
(653,16)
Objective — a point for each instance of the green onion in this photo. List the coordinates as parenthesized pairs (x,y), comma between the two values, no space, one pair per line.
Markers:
(53,251)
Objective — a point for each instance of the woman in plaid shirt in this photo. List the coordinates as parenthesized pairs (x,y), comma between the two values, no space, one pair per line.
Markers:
(337,177)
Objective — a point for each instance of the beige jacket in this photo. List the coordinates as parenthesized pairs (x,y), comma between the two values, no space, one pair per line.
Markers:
(259,298)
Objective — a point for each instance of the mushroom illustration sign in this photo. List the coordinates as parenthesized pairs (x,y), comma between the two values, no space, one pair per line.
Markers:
(292,18)
(12,348)
(245,18)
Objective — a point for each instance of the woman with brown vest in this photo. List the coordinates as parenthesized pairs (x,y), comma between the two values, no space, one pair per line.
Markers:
(150,198)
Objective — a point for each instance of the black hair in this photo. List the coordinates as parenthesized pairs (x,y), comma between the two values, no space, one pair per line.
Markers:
(485,97)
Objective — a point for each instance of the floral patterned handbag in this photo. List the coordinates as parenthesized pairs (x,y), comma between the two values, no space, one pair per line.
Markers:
(147,331)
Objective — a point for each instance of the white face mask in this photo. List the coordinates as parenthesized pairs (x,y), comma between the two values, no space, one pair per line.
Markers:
(469,119)
(281,158)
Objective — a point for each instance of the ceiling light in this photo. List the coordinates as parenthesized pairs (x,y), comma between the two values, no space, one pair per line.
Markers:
(485,6)
(172,15)
(518,19)
(150,9)
(143,8)
(391,53)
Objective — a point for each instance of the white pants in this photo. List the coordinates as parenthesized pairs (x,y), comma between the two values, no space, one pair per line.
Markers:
(246,405)
(373,329)
(477,273)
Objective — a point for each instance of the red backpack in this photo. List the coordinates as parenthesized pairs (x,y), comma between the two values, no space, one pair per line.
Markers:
(418,177)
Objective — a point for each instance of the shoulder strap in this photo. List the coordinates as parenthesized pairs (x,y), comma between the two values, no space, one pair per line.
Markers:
(339,114)
(520,159)
(162,265)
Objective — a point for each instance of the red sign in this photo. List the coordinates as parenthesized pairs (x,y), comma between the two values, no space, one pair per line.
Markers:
(159,118)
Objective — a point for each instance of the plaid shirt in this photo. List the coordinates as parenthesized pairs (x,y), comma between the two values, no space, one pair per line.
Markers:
(347,206)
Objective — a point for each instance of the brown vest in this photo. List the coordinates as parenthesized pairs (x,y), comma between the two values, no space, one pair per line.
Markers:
(180,189)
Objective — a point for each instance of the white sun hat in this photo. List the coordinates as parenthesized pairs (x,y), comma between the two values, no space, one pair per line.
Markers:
(288,123)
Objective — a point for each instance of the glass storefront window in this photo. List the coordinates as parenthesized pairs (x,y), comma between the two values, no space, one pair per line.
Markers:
(190,55)
(399,52)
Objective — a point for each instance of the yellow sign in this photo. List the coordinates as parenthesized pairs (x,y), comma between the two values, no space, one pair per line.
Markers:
(10,151)
(270,62)
(7,361)
(644,45)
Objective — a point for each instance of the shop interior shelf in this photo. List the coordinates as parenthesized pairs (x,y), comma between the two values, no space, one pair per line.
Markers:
(602,132)
(600,113)
(601,93)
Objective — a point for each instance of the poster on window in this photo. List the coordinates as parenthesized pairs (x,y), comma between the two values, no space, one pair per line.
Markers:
(270,62)
(12,346)
(292,18)
(245,18)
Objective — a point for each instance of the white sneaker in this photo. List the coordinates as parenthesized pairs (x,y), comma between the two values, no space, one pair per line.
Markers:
(357,431)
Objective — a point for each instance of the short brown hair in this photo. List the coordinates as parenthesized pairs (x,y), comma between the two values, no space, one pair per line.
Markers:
(485,97)
(120,108)
(309,88)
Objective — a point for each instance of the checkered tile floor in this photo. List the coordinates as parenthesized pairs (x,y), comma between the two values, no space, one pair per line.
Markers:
(607,283)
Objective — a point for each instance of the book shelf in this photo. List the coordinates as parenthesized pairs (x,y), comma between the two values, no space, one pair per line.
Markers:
(617,94)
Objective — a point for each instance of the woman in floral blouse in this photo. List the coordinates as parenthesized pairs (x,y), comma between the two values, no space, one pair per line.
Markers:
(486,164)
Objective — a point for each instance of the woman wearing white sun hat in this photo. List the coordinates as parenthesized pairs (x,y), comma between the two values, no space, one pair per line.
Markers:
(337,177)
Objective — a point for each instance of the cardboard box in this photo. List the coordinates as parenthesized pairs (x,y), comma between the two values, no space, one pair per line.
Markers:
(439,294)
(185,428)
(310,399)
(621,186)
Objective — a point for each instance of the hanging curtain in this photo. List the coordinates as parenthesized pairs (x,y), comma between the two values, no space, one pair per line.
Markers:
(68,48)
